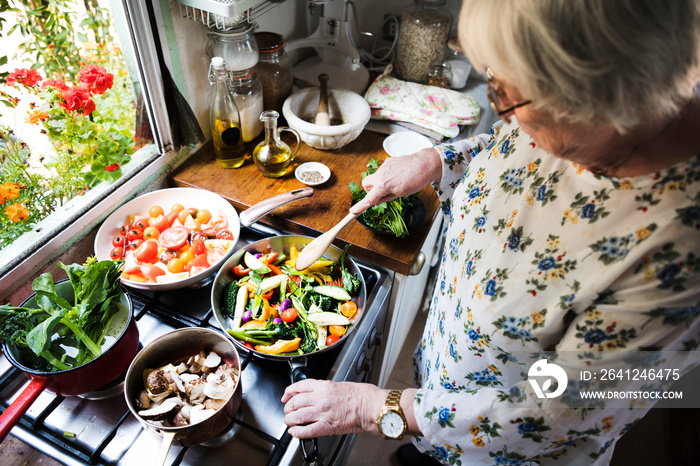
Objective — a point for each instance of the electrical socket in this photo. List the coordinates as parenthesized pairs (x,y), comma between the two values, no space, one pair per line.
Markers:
(389,29)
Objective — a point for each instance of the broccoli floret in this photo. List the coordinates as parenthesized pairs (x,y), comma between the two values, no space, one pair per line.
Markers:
(15,324)
(325,303)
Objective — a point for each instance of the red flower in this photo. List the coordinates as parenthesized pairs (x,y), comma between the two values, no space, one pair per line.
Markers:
(55,83)
(24,76)
(97,78)
(111,168)
(78,99)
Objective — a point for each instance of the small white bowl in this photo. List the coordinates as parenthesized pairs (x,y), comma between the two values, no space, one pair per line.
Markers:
(313,167)
(405,143)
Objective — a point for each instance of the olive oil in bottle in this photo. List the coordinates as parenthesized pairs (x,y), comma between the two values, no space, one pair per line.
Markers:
(273,156)
(225,120)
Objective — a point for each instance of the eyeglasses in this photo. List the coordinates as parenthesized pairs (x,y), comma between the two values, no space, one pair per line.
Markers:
(495,99)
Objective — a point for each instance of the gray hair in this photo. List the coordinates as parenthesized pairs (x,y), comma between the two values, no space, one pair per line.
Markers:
(613,62)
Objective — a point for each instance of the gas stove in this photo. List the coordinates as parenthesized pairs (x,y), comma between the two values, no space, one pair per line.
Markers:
(97,428)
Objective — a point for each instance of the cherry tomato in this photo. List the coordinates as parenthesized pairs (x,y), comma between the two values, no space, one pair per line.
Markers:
(197,235)
(147,251)
(337,330)
(167,255)
(289,314)
(134,245)
(155,211)
(118,241)
(174,238)
(203,216)
(134,234)
(186,256)
(332,339)
(124,229)
(193,211)
(224,234)
(348,309)
(182,216)
(117,254)
(151,232)
(241,271)
(210,232)
(176,208)
(141,224)
(176,266)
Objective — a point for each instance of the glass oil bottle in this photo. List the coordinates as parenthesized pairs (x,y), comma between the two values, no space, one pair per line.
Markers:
(225,120)
(273,156)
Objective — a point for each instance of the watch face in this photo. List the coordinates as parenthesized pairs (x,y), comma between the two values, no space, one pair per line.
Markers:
(391,424)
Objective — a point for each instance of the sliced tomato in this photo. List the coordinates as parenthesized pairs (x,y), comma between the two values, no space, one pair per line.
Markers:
(166,221)
(148,251)
(215,255)
(198,247)
(195,270)
(218,220)
(150,271)
(131,264)
(224,234)
(198,261)
(173,238)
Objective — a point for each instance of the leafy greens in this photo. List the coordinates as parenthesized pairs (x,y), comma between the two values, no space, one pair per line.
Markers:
(56,324)
(387,216)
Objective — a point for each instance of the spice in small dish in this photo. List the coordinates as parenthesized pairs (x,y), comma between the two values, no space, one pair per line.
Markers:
(312,173)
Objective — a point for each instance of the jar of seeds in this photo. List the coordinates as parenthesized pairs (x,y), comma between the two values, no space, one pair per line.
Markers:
(423,34)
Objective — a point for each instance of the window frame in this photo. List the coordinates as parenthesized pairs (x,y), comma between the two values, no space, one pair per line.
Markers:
(148,169)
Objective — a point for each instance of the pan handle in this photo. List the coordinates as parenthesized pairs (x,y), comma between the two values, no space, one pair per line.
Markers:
(309,446)
(168,438)
(253,213)
(11,416)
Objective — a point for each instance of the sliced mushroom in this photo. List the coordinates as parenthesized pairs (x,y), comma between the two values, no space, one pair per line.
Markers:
(211,403)
(178,382)
(182,367)
(185,410)
(161,396)
(211,362)
(179,420)
(195,392)
(159,412)
(219,386)
(156,382)
(229,369)
(143,401)
(187,377)
(199,414)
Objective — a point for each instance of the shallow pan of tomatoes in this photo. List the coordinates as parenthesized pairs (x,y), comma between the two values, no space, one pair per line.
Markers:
(177,237)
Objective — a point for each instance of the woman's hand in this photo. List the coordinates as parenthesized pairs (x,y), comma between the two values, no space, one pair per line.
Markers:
(400,176)
(316,408)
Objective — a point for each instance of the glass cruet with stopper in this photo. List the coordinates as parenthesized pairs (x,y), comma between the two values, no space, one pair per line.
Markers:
(273,156)
(225,120)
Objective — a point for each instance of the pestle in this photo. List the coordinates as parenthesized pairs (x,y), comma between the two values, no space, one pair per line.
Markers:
(322,116)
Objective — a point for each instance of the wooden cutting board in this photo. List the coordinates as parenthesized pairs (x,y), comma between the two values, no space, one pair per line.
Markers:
(246,186)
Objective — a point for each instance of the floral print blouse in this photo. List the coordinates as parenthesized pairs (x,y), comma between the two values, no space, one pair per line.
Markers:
(541,254)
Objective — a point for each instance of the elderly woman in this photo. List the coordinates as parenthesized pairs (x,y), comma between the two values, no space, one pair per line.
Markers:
(572,227)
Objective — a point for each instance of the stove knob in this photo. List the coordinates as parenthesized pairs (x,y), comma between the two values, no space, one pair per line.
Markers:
(364,364)
(375,338)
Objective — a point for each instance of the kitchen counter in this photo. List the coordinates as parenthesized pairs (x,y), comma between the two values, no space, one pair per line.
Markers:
(246,186)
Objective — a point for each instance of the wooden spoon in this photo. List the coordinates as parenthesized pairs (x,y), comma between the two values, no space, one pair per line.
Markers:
(322,116)
(316,248)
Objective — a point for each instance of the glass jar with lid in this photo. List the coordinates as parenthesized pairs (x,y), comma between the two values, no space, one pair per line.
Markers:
(274,70)
(236,46)
(248,95)
(423,35)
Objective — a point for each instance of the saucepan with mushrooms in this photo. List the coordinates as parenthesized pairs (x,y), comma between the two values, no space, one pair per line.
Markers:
(185,386)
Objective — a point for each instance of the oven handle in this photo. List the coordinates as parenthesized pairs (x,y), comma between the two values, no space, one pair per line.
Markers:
(299,372)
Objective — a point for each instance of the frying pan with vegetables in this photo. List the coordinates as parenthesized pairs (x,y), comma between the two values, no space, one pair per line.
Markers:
(304,297)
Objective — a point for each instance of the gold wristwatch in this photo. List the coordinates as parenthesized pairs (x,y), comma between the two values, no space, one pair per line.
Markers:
(391,421)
